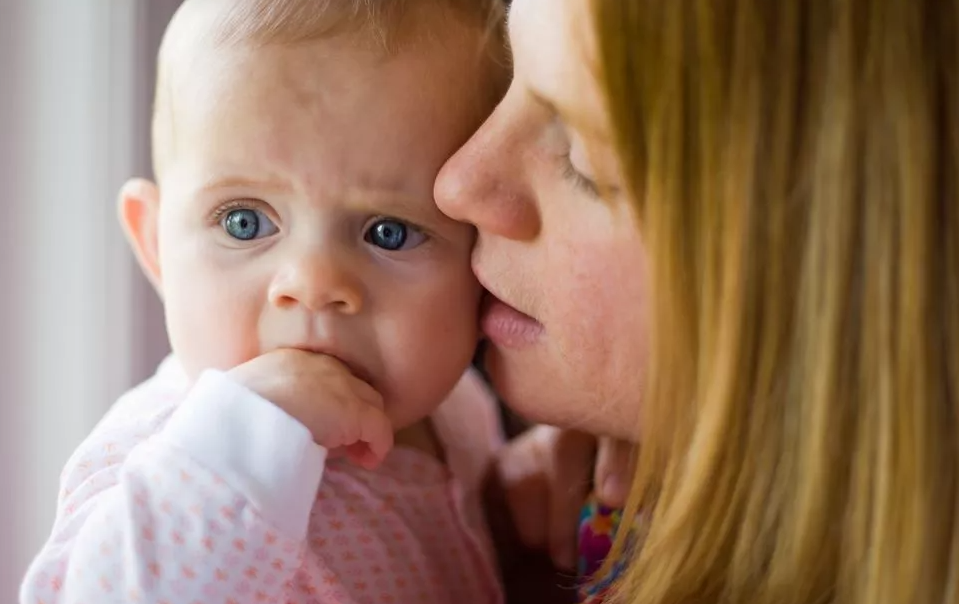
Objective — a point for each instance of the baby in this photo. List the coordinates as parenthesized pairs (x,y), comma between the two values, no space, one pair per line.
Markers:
(318,306)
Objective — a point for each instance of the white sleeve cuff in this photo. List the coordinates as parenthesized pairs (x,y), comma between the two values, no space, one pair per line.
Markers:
(253,445)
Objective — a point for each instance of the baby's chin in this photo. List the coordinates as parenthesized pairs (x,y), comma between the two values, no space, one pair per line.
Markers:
(420,436)
(407,415)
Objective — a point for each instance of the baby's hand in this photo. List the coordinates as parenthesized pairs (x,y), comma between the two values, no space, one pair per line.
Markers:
(339,409)
(547,474)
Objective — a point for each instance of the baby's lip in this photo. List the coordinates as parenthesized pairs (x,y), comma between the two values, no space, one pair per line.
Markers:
(355,368)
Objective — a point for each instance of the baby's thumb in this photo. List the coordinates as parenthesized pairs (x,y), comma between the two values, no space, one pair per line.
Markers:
(612,474)
(376,439)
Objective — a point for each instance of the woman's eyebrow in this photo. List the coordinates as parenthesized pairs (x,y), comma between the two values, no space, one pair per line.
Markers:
(540,99)
(570,115)
(557,112)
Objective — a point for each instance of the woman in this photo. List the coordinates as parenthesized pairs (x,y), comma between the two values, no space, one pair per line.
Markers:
(729,230)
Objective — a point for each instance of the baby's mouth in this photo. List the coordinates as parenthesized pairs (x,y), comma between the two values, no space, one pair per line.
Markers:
(354,368)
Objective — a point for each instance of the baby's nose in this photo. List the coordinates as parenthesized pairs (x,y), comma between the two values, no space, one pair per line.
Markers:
(318,280)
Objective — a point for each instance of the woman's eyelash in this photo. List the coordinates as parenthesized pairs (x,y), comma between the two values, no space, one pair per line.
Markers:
(578,179)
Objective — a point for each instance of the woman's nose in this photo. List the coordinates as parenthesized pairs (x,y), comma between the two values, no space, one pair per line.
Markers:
(486,183)
(318,280)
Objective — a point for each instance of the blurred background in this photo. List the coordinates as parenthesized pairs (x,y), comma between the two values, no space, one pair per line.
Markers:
(78,324)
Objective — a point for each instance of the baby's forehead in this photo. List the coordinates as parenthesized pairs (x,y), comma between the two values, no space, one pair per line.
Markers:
(201,28)
(207,37)
(387,23)
(221,22)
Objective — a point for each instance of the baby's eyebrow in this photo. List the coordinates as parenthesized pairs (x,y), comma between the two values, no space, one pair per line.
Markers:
(397,202)
(244,182)
(402,205)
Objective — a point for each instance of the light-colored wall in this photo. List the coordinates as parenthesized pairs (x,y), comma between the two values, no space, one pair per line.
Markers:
(78,325)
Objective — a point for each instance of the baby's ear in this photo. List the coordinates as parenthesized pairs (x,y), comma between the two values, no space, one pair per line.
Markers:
(139,210)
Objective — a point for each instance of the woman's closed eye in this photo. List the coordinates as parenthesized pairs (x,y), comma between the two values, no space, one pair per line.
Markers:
(573,163)
(578,179)
(393,235)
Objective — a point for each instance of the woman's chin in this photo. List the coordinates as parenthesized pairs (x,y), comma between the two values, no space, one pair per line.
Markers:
(546,394)
(525,386)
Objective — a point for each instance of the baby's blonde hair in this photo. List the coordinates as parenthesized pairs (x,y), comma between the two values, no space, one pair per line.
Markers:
(292,21)
(385,24)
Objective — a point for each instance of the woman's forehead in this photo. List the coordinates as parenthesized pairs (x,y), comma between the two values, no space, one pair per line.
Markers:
(554,55)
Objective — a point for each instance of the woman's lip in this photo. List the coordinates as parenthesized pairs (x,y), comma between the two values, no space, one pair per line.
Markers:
(506,326)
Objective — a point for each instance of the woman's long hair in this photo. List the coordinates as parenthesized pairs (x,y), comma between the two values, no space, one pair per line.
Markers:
(795,166)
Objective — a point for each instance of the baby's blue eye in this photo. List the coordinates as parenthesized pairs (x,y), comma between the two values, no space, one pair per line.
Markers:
(393,235)
(246,225)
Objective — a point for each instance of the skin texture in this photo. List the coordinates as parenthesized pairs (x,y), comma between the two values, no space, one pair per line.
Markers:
(573,261)
(333,156)
(343,137)
(549,246)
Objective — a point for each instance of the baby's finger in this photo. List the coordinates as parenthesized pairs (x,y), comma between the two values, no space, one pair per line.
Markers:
(612,474)
(361,454)
(524,467)
(569,490)
(527,499)
(329,366)
(367,393)
(337,453)
(376,431)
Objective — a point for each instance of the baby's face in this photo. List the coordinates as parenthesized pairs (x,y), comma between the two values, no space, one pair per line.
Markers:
(296,210)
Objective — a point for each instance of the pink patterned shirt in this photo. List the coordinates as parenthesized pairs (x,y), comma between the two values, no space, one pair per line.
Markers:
(209,494)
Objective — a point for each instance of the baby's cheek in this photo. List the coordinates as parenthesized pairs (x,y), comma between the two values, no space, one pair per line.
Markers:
(468,295)
(210,329)
(428,350)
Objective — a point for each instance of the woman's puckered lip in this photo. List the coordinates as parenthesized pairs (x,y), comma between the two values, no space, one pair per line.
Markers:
(491,295)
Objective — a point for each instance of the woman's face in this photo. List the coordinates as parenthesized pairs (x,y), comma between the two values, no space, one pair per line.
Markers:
(566,319)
